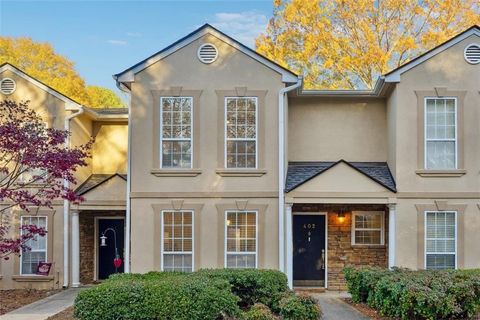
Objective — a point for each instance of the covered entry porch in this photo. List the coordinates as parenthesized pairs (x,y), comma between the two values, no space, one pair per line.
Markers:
(337,214)
(322,239)
(99,229)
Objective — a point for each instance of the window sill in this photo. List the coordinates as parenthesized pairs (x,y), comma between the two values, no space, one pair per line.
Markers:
(441,173)
(369,246)
(241,172)
(32,278)
(175,172)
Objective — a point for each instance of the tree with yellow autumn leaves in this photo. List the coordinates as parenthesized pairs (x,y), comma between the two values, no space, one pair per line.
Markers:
(347,44)
(40,61)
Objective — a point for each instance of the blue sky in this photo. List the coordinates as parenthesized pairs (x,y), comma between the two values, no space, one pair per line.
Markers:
(106,37)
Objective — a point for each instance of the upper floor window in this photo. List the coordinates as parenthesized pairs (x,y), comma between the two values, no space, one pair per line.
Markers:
(176,132)
(241,132)
(440,239)
(440,133)
(30,259)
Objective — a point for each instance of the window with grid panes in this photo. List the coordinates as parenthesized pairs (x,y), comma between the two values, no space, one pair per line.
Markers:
(177,241)
(241,239)
(367,228)
(176,132)
(30,259)
(241,132)
(440,133)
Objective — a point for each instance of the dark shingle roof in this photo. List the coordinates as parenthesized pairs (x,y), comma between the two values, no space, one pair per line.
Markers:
(95,180)
(301,172)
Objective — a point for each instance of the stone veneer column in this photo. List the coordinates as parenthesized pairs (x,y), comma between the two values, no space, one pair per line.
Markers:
(75,249)
(392,211)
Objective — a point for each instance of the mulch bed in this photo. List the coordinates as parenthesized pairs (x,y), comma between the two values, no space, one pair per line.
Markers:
(14,299)
(366,310)
(67,314)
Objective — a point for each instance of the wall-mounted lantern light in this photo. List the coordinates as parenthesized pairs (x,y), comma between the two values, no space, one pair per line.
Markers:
(341,216)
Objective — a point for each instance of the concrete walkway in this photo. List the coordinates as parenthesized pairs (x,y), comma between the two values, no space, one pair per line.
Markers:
(42,309)
(334,308)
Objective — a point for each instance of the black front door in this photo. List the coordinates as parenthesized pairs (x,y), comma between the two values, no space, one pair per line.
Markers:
(106,254)
(309,250)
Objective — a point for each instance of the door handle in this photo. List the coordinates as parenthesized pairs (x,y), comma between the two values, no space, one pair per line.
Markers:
(323,259)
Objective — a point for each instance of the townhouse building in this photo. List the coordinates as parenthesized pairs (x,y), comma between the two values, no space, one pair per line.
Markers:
(224,160)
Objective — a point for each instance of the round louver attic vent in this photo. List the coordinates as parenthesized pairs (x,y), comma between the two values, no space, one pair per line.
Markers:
(207,53)
(7,86)
(472,53)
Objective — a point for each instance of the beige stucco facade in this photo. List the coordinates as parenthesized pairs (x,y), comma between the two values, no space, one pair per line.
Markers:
(344,152)
(208,184)
(108,156)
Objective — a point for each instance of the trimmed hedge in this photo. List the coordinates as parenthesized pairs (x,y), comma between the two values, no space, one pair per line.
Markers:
(206,294)
(251,285)
(406,294)
(179,297)
(294,307)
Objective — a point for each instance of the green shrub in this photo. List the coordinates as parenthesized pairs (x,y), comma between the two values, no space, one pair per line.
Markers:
(294,307)
(360,282)
(452,294)
(259,311)
(251,285)
(155,296)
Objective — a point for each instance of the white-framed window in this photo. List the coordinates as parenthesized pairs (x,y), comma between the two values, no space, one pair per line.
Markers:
(241,132)
(440,240)
(368,227)
(176,124)
(440,133)
(177,240)
(241,239)
(29,260)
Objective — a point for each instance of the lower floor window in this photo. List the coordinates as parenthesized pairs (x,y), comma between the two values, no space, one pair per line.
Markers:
(241,239)
(177,241)
(440,239)
(367,228)
(30,259)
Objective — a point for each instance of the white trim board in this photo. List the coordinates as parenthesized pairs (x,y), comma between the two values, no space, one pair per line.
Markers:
(69,103)
(395,75)
(129,74)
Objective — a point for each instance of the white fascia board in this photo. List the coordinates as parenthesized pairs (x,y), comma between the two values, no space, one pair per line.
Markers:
(128,76)
(396,76)
(69,103)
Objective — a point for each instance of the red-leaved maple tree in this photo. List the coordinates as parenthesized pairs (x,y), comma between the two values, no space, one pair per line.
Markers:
(34,163)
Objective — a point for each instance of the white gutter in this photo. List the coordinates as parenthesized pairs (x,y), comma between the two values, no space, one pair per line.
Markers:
(66,207)
(128,219)
(281,171)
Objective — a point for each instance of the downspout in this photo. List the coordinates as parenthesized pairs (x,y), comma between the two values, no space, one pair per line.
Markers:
(128,220)
(281,171)
(66,207)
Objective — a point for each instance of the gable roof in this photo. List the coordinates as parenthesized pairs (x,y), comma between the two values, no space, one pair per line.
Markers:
(128,74)
(96,180)
(394,75)
(69,103)
(300,172)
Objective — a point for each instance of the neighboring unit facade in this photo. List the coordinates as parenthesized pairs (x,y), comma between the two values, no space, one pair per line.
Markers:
(232,164)
(71,230)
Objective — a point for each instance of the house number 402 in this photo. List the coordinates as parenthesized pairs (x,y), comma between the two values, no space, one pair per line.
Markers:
(309,226)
